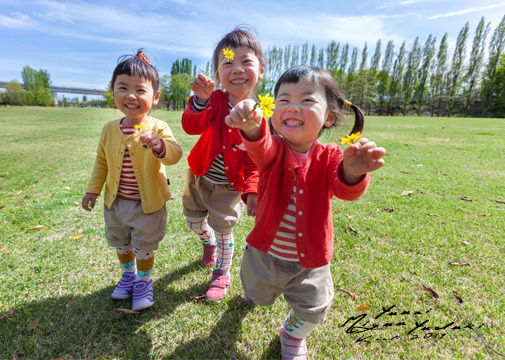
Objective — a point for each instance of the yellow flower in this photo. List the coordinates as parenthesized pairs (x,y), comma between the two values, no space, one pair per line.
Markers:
(350,139)
(138,127)
(266,105)
(228,54)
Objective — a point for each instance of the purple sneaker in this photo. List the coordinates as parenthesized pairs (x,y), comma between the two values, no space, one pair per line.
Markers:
(123,290)
(143,295)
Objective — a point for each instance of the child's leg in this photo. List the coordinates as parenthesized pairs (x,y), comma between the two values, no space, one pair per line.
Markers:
(201,228)
(126,258)
(143,293)
(221,276)
(310,294)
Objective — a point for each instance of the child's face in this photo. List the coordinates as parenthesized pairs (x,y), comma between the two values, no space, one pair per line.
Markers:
(240,75)
(134,97)
(300,113)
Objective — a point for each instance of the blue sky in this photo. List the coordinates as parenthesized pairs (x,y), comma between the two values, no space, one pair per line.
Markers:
(79,42)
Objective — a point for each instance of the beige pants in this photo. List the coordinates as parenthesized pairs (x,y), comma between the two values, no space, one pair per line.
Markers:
(220,201)
(308,291)
(126,223)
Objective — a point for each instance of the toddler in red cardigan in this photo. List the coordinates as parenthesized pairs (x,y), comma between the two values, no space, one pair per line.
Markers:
(290,248)
(221,174)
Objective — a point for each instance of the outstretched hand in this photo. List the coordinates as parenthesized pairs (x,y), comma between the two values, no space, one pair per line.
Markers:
(245,117)
(361,158)
(202,86)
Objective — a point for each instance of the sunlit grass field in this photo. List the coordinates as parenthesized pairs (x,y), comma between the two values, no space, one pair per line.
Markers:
(433,218)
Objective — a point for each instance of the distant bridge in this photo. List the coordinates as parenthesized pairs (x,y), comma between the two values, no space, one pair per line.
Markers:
(62,89)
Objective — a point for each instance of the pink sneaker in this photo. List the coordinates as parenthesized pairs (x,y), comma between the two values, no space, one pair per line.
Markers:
(292,348)
(218,287)
(209,255)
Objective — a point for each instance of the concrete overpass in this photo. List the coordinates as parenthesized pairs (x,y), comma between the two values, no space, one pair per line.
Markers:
(62,89)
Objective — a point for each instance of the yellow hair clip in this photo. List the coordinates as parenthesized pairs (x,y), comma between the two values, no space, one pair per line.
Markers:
(347,104)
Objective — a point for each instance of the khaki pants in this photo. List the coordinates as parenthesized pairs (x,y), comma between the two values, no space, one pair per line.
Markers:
(126,223)
(220,201)
(308,291)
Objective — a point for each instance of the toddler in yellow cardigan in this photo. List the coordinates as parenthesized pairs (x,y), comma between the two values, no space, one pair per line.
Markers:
(130,161)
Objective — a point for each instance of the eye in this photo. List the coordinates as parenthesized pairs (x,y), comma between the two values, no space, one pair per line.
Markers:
(308,101)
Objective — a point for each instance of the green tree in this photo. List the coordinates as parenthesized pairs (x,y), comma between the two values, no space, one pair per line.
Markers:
(15,93)
(439,77)
(455,78)
(109,97)
(475,63)
(427,57)
(497,103)
(37,85)
(495,52)
(395,86)
(383,76)
(313,56)
(410,78)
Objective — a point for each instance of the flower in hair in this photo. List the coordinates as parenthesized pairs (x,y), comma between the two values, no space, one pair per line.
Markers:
(228,55)
(266,105)
(143,57)
(351,139)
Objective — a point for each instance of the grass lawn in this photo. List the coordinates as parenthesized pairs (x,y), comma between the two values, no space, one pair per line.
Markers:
(433,218)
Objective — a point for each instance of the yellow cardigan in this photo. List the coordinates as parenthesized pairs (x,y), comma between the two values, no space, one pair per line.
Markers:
(149,169)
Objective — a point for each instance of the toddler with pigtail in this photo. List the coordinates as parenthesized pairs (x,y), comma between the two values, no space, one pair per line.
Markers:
(131,158)
(291,245)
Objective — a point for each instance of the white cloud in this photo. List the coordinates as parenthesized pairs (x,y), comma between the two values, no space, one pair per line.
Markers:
(466,11)
(15,21)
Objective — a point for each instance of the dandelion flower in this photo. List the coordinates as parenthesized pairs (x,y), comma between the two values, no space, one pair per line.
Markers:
(266,105)
(138,127)
(350,139)
(228,54)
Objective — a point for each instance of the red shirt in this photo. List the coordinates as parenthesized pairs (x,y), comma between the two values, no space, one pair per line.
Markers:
(318,179)
(216,137)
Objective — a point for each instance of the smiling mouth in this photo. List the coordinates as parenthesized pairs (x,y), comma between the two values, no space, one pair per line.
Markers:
(131,106)
(238,82)
(293,123)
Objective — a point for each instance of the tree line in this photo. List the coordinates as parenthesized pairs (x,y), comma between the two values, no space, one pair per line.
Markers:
(422,78)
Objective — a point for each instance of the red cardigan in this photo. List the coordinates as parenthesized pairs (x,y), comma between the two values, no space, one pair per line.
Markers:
(319,178)
(217,137)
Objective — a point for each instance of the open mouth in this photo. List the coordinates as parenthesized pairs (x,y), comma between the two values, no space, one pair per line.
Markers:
(238,82)
(131,106)
(293,123)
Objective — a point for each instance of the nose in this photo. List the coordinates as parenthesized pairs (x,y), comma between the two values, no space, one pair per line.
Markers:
(293,107)
(237,67)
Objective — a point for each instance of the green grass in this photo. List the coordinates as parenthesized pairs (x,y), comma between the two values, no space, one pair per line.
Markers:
(47,156)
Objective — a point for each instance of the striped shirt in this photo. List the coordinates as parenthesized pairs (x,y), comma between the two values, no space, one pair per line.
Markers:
(128,187)
(216,173)
(284,244)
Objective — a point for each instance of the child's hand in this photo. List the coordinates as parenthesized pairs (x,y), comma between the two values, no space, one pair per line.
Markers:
(360,159)
(252,204)
(202,86)
(152,140)
(246,118)
(88,201)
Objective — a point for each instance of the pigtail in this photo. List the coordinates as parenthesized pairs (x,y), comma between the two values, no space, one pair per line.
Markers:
(359,117)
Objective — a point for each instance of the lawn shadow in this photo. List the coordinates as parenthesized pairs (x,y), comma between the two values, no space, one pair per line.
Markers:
(220,343)
(88,327)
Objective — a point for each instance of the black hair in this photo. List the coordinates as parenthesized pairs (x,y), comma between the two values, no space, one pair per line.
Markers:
(239,37)
(334,96)
(136,65)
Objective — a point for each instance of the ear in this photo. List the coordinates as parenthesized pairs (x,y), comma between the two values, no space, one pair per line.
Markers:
(261,72)
(330,119)
(156,97)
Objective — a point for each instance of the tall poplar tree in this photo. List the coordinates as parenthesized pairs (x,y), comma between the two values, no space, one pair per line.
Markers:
(455,77)
(383,75)
(428,54)
(495,52)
